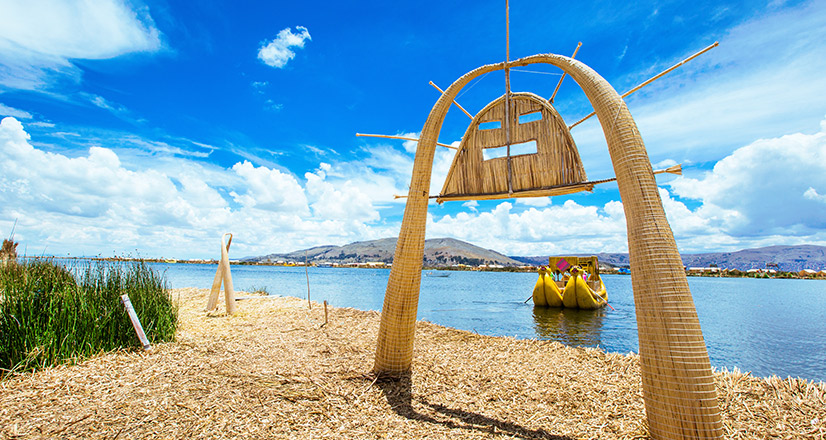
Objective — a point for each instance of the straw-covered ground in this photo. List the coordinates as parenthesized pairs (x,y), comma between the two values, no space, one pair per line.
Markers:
(272,370)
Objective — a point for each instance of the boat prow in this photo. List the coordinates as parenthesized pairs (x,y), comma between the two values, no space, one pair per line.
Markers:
(571,282)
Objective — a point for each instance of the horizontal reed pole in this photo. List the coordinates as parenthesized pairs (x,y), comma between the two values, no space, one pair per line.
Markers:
(564,73)
(387,136)
(454,101)
(652,79)
(543,191)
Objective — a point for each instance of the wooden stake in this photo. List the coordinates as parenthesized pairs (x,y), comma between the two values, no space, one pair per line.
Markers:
(652,79)
(564,73)
(674,169)
(325,312)
(307,272)
(454,101)
(402,138)
(136,323)
(508,94)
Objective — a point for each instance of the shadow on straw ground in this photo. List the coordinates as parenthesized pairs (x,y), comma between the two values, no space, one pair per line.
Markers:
(398,393)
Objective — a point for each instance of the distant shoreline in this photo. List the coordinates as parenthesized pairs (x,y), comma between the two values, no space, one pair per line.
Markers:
(717,273)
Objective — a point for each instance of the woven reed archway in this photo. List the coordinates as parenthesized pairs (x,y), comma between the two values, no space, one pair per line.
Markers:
(678,386)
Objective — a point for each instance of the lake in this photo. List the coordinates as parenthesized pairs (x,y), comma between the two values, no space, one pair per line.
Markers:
(765,326)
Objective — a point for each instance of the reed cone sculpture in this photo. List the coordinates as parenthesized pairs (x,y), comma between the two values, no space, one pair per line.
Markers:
(223,276)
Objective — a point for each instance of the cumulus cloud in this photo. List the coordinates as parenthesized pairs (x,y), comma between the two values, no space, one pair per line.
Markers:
(772,191)
(568,228)
(768,192)
(38,38)
(342,200)
(270,189)
(278,52)
(765,188)
(96,202)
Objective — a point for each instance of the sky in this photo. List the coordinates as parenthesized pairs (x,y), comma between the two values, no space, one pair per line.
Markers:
(150,128)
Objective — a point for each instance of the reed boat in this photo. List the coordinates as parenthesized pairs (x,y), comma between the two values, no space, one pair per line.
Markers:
(571,282)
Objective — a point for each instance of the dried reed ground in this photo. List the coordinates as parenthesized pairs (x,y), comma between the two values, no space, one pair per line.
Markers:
(273,371)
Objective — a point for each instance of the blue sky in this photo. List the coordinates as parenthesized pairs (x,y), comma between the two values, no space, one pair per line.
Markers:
(153,127)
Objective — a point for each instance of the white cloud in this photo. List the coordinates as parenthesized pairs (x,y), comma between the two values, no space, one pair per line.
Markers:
(272,105)
(664,164)
(129,192)
(570,228)
(112,107)
(410,146)
(768,192)
(270,189)
(341,200)
(278,52)
(398,166)
(769,187)
(39,37)
(11,111)
(179,208)
(538,202)
(812,194)
(472,205)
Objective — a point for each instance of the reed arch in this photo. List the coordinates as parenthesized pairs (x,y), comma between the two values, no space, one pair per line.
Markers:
(678,385)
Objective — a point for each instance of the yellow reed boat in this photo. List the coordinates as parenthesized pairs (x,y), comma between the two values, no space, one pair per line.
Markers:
(571,282)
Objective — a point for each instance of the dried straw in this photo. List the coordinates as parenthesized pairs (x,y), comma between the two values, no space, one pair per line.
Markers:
(272,370)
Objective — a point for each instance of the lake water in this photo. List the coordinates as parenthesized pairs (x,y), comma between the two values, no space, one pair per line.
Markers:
(759,325)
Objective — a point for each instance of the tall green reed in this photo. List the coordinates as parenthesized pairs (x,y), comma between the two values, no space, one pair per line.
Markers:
(50,314)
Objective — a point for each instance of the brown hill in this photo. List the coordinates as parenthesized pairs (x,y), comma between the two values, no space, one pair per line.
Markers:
(437,252)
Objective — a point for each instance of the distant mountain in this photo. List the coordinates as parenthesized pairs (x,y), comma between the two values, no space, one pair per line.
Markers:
(437,252)
(787,258)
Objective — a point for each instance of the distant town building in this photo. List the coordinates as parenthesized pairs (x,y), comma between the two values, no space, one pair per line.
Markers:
(702,270)
(806,273)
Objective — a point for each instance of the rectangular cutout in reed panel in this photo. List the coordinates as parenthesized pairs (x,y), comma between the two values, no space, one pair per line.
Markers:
(490,125)
(516,150)
(530,117)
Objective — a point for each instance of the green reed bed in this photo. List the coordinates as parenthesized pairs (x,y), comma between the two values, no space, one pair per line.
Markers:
(50,314)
